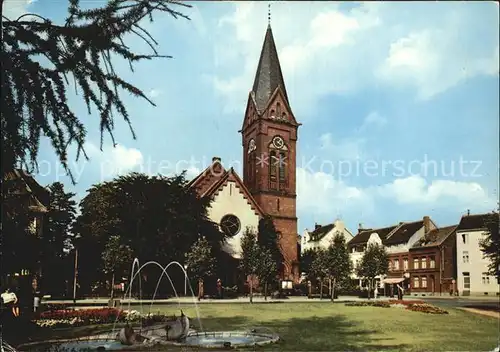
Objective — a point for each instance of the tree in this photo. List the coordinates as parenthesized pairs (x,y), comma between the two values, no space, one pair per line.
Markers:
(268,238)
(200,260)
(250,256)
(117,258)
(490,244)
(337,263)
(160,218)
(34,97)
(375,262)
(319,268)
(56,237)
(306,261)
(266,270)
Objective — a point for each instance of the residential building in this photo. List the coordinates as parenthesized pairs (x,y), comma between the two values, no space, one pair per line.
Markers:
(22,190)
(322,235)
(472,266)
(397,239)
(268,187)
(434,259)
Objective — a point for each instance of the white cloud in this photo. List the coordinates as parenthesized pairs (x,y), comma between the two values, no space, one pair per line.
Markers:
(12,9)
(325,50)
(115,161)
(322,196)
(433,61)
(319,193)
(416,190)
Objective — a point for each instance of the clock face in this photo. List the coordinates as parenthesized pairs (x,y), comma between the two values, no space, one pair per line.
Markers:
(278,142)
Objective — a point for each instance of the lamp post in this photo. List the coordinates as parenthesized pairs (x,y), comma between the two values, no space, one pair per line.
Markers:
(76,238)
(185,279)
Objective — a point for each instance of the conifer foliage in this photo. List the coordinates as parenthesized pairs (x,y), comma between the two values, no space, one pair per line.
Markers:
(42,59)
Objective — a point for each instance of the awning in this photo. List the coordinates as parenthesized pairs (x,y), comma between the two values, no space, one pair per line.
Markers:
(393,280)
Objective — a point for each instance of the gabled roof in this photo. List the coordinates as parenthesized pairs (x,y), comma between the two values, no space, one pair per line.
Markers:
(268,76)
(39,197)
(209,184)
(435,237)
(363,236)
(320,232)
(403,233)
(477,221)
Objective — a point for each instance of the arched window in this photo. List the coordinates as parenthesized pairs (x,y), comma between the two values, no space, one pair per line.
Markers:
(282,167)
(251,161)
(278,109)
(273,164)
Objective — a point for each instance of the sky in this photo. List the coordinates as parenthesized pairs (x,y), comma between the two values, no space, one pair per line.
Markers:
(399,104)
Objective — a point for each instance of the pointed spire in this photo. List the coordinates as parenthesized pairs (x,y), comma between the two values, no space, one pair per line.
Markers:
(269,75)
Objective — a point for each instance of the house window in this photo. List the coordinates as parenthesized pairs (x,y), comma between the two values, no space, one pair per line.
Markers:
(465,256)
(432,262)
(405,264)
(415,263)
(424,282)
(465,238)
(486,279)
(424,263)
(416,282)
(396,264)
(466,281)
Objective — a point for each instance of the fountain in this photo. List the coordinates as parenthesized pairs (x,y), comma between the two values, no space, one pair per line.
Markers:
(176,331)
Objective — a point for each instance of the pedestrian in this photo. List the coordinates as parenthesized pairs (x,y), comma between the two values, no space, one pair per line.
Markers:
(219,289)
(15,303)
(400,293)
(36,301)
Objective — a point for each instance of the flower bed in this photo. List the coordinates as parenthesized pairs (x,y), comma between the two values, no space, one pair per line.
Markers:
(416,306)
(405,303)
(74,318)
(425,308)
(381,304)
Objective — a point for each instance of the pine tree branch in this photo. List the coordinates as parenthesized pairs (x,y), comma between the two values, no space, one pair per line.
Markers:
(34,91)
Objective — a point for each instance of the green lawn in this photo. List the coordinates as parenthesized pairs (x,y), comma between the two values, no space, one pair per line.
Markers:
(335,327)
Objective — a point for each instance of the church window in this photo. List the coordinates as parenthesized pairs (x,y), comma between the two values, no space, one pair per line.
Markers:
(282,166)
(271,114)
(278,109)
(230,225)
(273,162)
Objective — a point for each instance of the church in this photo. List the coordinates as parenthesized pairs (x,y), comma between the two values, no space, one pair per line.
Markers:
(268,187)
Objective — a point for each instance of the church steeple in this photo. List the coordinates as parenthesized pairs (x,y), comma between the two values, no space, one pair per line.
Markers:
(268,77)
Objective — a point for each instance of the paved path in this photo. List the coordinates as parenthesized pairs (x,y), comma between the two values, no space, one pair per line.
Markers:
(438,300)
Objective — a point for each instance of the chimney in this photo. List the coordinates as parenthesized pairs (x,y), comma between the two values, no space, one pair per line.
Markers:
(427,224)
(316,226)
(360,227)
(216,158)
(468,212)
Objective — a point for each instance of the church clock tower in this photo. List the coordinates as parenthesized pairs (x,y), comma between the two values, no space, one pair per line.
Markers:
(269,136)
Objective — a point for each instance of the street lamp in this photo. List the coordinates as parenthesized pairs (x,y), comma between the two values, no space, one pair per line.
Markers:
(185,279)
(76,238)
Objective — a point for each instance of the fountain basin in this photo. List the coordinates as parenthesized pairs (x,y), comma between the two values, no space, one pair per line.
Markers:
(229,339)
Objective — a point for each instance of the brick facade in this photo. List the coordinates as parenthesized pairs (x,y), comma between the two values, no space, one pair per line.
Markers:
(433,267)
(271,182)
